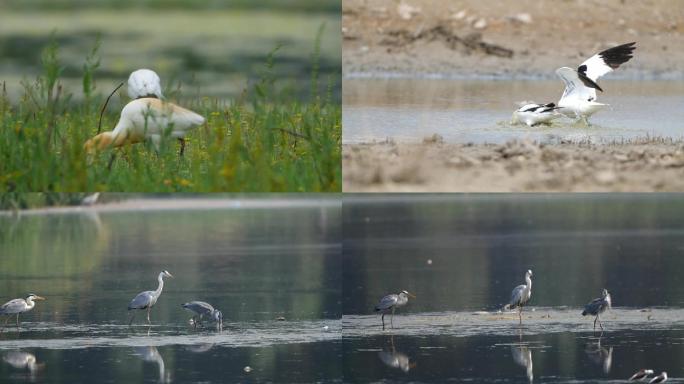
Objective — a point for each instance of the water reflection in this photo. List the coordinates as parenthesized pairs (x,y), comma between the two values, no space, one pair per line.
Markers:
(200,348)
(600,355)
(522,355)
(24,361)
(152,355)
(395,359)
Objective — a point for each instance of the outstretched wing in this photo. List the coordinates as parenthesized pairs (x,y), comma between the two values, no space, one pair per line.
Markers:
(606,61)
(575,88)
(387,302)
(144,83)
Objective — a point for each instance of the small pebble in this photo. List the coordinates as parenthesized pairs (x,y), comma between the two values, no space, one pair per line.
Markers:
(247,369)
(429,262)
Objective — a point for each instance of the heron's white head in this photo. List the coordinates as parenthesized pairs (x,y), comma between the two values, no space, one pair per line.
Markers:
(166,274)
(604,293)
(408,294)
(648,371)
(34,297)
(144,83)
(528,273)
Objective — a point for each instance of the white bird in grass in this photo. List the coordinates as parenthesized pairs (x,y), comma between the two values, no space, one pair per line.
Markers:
(148,118)
(579,97)
(642,374)
(659,379)
(521,295)
(144,83)
(147,299)
(533,114)
(19,306)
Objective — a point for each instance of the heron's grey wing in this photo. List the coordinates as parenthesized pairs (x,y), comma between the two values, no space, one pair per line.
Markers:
(387,302)
(141,301)
(593,306)
(516,295)
(199,307)
(12,306)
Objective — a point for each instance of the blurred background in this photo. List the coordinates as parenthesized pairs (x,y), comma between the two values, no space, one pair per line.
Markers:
(205,48)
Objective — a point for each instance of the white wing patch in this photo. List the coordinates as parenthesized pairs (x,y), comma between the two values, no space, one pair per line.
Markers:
(574,88)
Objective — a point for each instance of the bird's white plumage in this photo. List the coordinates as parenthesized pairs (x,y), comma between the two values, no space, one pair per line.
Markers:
(596,67)
(533,114)
(144,83)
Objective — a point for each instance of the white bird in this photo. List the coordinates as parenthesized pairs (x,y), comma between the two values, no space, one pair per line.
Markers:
(642,374)
(521,295)
(19,306)
(659,379)
(148,118)
(144,83)
(533,114)
(579,97)
(147,299)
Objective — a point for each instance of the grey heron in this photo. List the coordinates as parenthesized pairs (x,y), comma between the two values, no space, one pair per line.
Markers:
(659,379)
(597,306)
(642,374)
(152,355)
(392,301)
(147,299)
(22,360)
(202,309)
(521,295)
(19,306)
(522,355)
(395,359)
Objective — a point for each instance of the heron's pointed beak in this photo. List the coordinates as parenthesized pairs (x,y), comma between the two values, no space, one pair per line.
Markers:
(411,295)
(170,275)
(38,298)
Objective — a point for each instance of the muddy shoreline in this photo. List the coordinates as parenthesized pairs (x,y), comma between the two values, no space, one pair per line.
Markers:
(648,165)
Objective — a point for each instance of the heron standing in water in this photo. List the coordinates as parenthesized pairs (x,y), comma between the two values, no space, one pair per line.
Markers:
(201,309)
(392,301)
(19,306)
(597,306)
(521,295)
(147,299)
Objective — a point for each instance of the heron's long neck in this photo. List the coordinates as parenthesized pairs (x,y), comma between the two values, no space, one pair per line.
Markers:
(528,280)
(161,285)
(30,303)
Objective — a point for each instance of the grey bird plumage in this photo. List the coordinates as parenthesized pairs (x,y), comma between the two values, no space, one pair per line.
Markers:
(597,306)
(19,306)
(203,309)
(521,295)
(147,299)
(392,302)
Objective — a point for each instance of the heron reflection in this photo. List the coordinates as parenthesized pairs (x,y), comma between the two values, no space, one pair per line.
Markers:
(395,359)
(600,355)
(199,348)
(152,355)
(522,355)
(23,361)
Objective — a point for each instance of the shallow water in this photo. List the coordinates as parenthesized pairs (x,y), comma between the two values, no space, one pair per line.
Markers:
(272,268)
(480,111)
(461,255)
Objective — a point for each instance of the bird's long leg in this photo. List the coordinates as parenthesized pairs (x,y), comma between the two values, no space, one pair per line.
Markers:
(111,161)
(595,322)
(598,317)
(383,321)
(520,314)
(148,315)
(17,320)
(182,146)
(392,319)
(130,321)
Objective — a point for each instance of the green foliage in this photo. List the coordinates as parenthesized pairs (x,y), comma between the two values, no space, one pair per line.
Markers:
(268,144)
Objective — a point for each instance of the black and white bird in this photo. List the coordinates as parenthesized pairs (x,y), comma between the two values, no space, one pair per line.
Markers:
(533,114)
(659,379)
(597,306)
(521,295)
(579,97)
(642,374)
(19,306)
(392,301)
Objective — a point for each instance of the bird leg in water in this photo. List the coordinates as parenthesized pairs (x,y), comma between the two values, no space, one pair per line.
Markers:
(182,146)
(598,318)
(383,321)
(520,314)
(148,315)
(392,319)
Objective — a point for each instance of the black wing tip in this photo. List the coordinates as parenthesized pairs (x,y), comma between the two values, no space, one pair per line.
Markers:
(620,54)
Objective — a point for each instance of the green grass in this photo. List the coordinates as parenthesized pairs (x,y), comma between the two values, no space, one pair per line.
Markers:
(263,141)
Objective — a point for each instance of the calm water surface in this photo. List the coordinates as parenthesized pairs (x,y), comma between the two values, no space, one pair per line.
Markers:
(259,265)
(480,110)
(462,255)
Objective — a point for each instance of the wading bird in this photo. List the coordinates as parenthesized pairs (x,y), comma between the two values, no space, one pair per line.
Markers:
(392,301)
(642,374)
(659,379)
(579,97)
(597,306)
(147,299)
(533,114)
(201,309)
(144,83)
(148,118)
(521,295)
(19,306)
